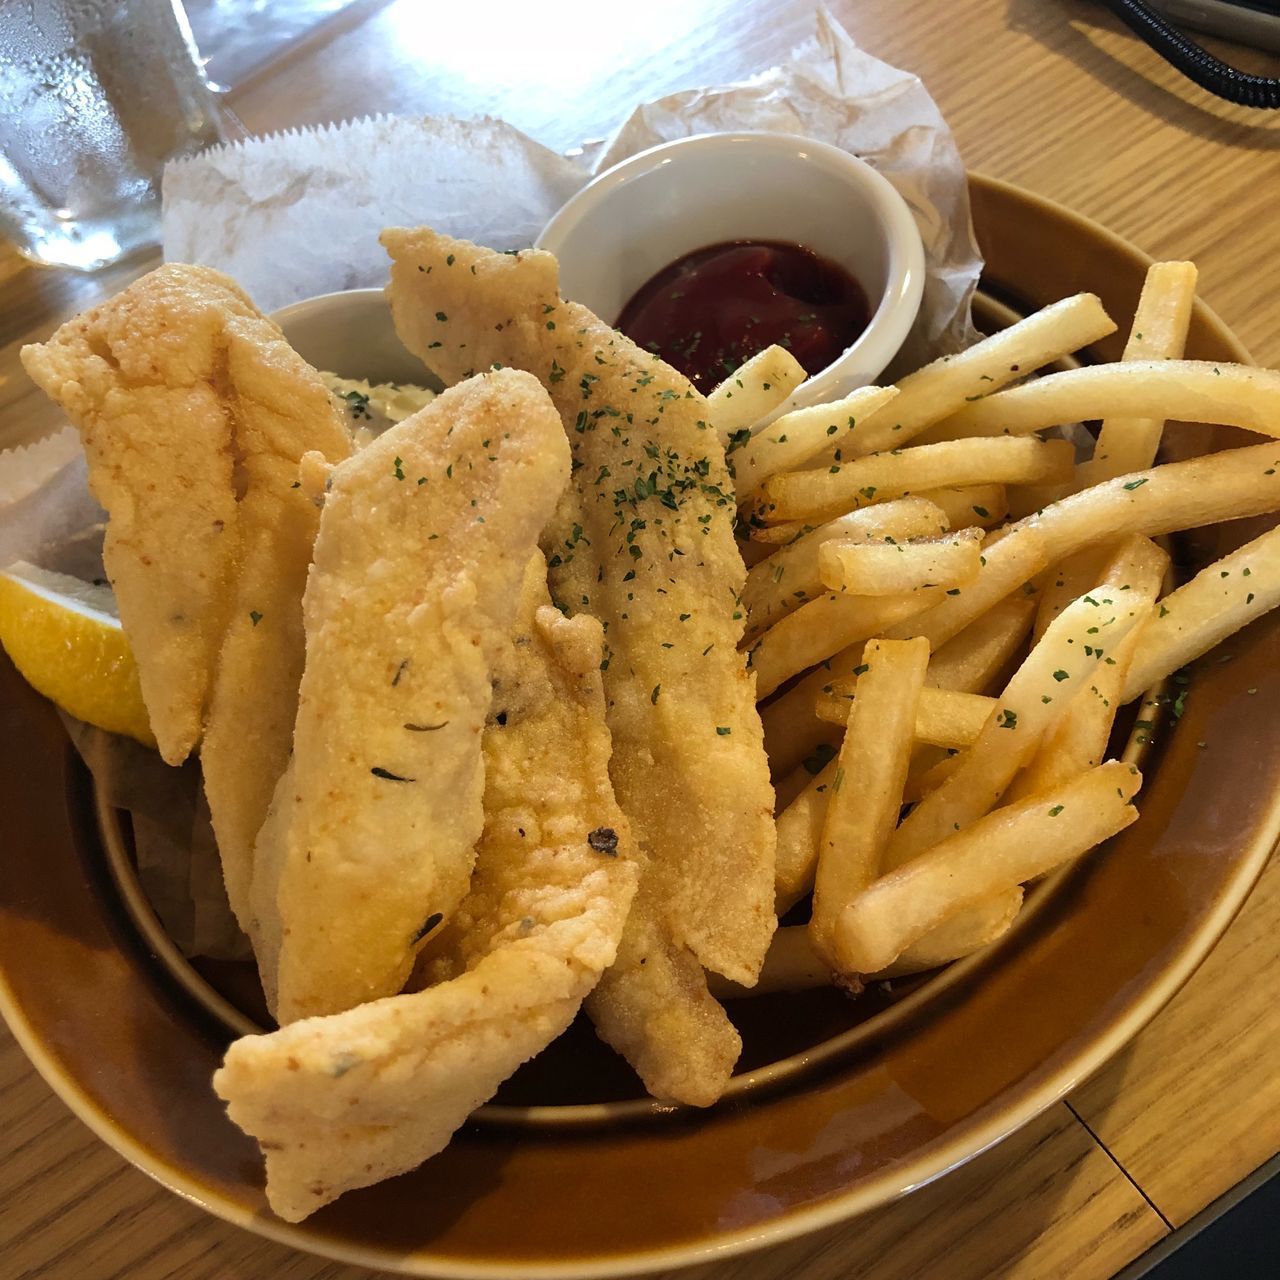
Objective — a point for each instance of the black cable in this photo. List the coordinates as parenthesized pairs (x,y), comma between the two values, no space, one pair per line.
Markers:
(1195,63)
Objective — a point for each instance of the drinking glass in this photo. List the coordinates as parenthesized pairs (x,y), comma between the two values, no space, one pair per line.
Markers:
(95,95)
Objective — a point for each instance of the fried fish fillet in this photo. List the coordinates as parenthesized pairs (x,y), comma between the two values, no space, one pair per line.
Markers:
(142,376)
(643,539)
(423,542)
(343,1101)
(282,410)
(192,402)
(654,996)
(551,822)
(653,1007)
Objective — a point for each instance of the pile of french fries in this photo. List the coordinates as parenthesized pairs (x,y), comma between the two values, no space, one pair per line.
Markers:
(938,679)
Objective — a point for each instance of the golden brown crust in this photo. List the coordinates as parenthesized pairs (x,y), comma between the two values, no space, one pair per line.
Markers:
(143,378)
(550,817)
(195,413)
(343,1101)
(650,489)
(281,410)
(423,542)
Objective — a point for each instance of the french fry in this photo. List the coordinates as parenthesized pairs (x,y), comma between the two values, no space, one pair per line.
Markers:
(951,718)
(828,491)
(970,930)
(792,729)
(1175,495)
(799,833)
(930,767)
(866,790)
(864,568)
(941,388)
(1027,499)
(1115,563)
(1124,445)
(823,627)
(1064,660)
(981,506)
(792,732)
(792,963)
(1068,582)
(790,785)
(791,440)
(1219,600)
(1136,564)
(780,535)
(834,707)
(1163,499)
(1078,741)
(1235,395)
(1159,332)
(753,391)
(1009,564)
(789,577)
(928,772)
(972,659)
(944,717)
(1006,848)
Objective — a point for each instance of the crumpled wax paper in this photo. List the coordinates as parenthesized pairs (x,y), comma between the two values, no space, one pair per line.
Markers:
(298,213)
(47,515)
(175,853)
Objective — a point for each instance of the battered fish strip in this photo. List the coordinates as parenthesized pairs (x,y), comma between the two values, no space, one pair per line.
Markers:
(187,397)
(143,378)
(653,1007)
(551,822)
(282,410)
(423,542)
(645,541)
(347,1100)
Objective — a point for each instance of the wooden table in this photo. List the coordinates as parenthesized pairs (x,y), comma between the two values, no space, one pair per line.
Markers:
(1054,96)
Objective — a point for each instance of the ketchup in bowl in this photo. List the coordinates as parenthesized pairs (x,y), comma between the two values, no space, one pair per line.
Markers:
(713,309)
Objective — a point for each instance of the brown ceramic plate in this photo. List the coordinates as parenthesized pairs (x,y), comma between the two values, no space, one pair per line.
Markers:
(909,1088)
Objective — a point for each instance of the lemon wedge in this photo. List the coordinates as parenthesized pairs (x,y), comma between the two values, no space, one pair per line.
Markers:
(65,637)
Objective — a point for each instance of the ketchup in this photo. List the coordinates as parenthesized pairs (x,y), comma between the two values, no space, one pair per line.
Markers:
(713,309)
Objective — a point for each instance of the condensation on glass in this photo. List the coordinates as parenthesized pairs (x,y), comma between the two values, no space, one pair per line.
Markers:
(95,95)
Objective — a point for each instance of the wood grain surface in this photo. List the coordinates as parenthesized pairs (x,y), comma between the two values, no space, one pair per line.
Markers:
(1052,95)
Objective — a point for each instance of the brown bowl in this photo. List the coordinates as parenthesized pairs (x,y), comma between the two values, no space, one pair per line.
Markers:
(876,1098)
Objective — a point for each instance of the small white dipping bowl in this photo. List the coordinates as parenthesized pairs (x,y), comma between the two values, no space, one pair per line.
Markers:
(353,335)
(640,216)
